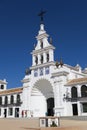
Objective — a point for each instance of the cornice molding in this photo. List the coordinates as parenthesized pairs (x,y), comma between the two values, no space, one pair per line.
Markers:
(42,65)
(63,73)
(25,80)
(42,50)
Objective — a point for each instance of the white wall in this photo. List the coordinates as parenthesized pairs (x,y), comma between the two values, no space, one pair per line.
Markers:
(38,106)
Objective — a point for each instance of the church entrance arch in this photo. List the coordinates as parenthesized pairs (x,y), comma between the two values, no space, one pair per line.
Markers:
(42,98)
(50,106)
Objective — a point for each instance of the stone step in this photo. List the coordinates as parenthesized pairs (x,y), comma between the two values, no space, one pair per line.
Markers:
(75,117)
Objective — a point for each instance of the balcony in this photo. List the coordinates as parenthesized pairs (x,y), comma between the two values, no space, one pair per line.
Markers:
(11,104)
(83,99)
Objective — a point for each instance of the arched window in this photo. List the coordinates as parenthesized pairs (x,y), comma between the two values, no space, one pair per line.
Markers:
(84,91)
(41,71)
(6,100)
(2,86)
(41,45)
(41,58)
(36,60)
(47,70)
(12,99)
(35,72)
(47,57)
(0,100)
(74,92)
(18,98)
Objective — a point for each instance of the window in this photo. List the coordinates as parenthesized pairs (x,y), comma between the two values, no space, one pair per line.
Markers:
(74,92)
(36,60)
(84,91)
(41,45)
(41,71)
(2,86)
(47,57)
(10,111)
(84,107)
(0,111)
(6,100)
(18,98)
(12,99)
(47,70)
(36,73)
(43,121)
(41,59)
(0,100)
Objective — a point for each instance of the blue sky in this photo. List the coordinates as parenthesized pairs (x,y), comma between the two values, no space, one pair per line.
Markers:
(65,21)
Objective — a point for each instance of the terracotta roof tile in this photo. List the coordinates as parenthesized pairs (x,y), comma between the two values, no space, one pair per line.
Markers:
(77,81)
(10,91)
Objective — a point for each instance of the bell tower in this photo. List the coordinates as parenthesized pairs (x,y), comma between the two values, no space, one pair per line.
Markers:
(43,53)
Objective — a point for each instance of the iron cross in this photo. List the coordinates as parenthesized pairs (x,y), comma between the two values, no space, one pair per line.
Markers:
(41,14)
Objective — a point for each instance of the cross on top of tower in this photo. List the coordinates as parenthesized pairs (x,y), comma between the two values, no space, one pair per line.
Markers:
(41,14)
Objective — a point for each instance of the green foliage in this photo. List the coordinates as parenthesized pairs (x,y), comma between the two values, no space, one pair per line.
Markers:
(53,124)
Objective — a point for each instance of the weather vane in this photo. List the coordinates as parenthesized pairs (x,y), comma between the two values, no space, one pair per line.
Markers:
(41,14)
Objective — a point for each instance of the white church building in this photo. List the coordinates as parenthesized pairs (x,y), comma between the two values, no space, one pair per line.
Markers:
(50,88)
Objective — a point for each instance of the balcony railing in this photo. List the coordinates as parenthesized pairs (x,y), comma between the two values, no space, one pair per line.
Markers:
(11,104)
(76,99)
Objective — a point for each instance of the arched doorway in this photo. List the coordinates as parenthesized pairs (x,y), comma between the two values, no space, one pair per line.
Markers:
(50,106)
(42,98)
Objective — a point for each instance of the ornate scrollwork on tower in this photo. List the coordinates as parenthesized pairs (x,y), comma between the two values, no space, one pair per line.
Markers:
(27,71)
(61,62)
(51,41)
(57,64)
(34,46)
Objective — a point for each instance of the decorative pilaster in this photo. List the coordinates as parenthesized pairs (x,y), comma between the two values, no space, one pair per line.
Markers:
(79,90)
(58,109)
(51,55)
(44,57)
(33,60)
(39,59)
(57,93)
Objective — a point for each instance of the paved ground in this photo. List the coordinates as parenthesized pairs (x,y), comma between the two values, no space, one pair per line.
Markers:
(33,124)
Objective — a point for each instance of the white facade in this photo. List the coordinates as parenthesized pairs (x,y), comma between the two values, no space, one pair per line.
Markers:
(51,88)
